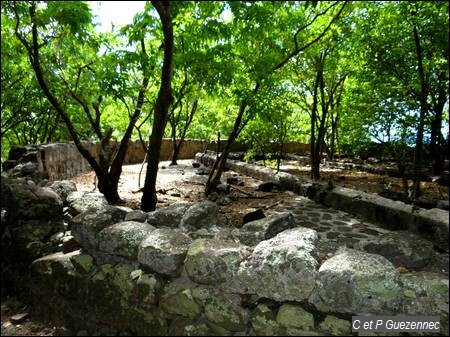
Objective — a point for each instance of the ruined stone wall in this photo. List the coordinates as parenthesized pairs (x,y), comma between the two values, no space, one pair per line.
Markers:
(63,161)
(178,271)
(175,272)
(432,224)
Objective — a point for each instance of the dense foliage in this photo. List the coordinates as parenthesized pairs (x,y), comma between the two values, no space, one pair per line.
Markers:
(341,75)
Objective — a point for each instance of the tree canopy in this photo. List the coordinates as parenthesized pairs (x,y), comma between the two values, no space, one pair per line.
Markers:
(336,74)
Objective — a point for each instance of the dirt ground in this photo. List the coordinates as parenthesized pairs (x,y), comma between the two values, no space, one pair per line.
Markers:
(182,183)
(28,327)
(364,181)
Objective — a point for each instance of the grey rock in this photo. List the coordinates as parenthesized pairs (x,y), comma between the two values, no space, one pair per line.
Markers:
(254,215)
(123,238)
(367,284)
(268,186)
(402,248)
(232,180)
(335,326)
(263,320)
(36,230)
(137,215)
(214,261)
(426,294)
(83,263)
(294,316)
(225,188)
(27,201)
(253,232)
(85,226)
(268,272)
(223,200)
(200,215)
(443,204)
(163,251)
(79,201)
(62,188)
(19,318)
(169,216)
(225,310)
(69,244)
(177,299)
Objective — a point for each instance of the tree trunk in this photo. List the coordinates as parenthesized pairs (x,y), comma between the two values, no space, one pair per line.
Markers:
(423,109)
(176,146)
(436,136)
(107,184)
(219,164)
(313,126)
(315,168)
(175,149)
(162,104)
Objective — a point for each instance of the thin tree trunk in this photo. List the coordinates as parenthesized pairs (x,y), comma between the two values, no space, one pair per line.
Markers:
(177,145)
(423,109)
(436,136)
(219,164)
(162,104)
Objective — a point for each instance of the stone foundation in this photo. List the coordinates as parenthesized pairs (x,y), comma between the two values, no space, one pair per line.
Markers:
(432,224)
(163,279)
(63,161)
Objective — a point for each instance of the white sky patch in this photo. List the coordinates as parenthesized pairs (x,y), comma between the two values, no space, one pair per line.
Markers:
(118,13)
(226,15)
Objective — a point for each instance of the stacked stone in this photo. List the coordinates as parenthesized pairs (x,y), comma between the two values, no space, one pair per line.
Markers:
(176,271)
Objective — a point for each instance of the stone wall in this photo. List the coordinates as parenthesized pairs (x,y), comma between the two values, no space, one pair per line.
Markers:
(176,271)
(432,224)
(63,161)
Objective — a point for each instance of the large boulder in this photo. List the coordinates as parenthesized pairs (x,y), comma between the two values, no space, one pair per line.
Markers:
(123,238)
(355,282)
(334,326)
(62,188)
(177,299)
(271,270)
(25,200)
(136,215)
(85,226)
(426,294)
(210,261)
(402,248)
(80,201)
(264,323)
(256,231)
(163,251)
(224,310)
(200,215)
(169,216)
(26,231)
(295,319)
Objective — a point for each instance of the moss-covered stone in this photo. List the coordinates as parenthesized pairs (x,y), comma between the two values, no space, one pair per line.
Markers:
(198,329)
(83,263)
(211,262)
(163,251)
(368,284)
(147,289)
(263,320)
(123,238)
(177,299)
(221,309)
(335,326)
(294,316)
(282,268)
(426,294)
